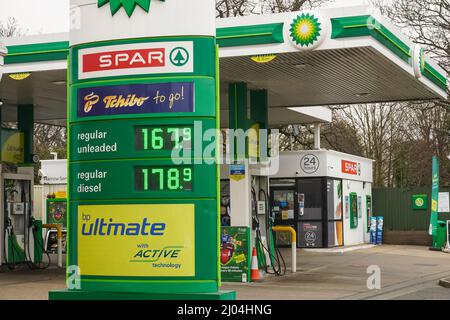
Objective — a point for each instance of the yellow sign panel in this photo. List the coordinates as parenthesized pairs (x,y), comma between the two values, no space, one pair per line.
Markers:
(434,205)
(61,194)
(253,141)
(19,76)
(12,149)
(264,58)
(137,240)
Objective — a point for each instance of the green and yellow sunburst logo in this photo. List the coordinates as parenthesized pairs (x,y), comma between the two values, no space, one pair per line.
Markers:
(305,30)
(128,5)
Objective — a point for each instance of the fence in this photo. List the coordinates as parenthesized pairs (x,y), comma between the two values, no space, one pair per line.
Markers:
(402,224)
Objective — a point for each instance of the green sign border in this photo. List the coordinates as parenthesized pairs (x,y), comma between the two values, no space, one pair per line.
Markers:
(206,75)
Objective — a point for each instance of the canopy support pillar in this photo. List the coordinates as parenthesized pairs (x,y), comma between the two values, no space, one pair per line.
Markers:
(25,119)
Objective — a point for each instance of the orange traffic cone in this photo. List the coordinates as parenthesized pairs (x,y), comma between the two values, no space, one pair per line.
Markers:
(254,273)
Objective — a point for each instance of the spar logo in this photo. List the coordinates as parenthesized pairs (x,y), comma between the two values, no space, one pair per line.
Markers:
(350,167)
(125,59)
(136,59)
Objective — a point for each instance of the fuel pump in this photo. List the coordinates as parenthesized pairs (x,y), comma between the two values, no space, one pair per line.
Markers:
(269,255)
(22,242)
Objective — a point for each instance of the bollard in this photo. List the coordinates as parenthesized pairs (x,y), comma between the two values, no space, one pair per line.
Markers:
(293,243)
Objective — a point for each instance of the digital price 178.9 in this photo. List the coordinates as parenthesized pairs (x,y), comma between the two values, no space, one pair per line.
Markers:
(164,178)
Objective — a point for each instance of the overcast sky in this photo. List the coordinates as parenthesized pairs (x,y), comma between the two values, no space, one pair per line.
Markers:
(49,16)
(37,16)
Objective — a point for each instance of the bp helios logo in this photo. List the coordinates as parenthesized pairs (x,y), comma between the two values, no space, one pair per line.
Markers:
(128,5)
(305,29)
(420,202)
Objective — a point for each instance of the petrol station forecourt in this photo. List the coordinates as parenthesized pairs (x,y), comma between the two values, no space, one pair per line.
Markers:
(131,79)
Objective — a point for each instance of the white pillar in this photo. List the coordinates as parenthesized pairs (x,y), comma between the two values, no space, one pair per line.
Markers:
(241,200)
(3,52)
(317,136)
(60,264)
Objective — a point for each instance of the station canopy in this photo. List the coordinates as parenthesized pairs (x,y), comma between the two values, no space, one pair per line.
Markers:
(346,53)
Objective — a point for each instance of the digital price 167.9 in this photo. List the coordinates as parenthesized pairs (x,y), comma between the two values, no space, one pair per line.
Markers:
(149,138)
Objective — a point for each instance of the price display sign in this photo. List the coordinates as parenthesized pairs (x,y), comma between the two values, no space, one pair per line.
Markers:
(143,207)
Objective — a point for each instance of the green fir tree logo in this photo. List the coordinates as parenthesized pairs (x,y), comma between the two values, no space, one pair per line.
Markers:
(128,5)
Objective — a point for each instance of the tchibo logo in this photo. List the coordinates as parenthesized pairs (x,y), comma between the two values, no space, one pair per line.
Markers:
(136,99)
(120,101)
(136,59)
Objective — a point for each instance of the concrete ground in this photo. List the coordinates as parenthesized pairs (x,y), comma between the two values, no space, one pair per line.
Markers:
(407,272)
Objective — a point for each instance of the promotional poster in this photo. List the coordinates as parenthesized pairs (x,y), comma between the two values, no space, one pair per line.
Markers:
(235,254)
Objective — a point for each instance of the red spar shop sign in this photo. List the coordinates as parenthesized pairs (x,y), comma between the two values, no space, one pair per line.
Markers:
(350,167)
(125,59)
(136,59)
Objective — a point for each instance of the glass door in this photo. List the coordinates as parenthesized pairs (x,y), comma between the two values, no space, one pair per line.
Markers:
(283,211)
(310,199)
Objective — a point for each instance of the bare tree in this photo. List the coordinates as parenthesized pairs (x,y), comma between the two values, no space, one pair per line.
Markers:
(10,28)
(232,8)
(426,21)
(48,138)
(377,128)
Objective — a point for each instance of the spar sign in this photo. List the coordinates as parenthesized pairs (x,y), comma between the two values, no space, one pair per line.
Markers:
(350,167)
(136,59)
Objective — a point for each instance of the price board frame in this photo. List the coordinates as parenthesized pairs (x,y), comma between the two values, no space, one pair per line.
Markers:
(111,92)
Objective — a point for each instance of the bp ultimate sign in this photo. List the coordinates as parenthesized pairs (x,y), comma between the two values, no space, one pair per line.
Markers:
(142,225)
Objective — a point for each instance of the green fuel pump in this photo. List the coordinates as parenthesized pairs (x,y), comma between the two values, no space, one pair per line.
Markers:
(23,242)
(276,259)
(353,210)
